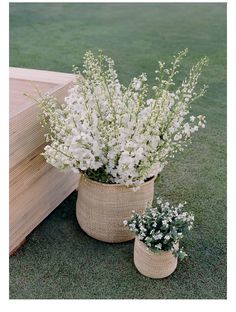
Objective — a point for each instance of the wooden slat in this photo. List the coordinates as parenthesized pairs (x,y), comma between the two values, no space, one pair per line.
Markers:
(26,134)
(18,101)
(40,75)
(36,188)
(35,191)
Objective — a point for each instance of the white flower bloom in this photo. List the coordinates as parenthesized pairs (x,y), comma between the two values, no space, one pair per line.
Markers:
(158,236)
(103,125)
(158,246)
(187,129)
(137,84)
(178,137)
(164,222)
(167,237)
(151,102)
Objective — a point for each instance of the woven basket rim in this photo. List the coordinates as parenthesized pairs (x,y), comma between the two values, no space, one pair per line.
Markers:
(84,175)
(154,253)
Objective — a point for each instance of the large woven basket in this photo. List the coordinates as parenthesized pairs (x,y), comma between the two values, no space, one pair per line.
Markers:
(154,265)
(102,208)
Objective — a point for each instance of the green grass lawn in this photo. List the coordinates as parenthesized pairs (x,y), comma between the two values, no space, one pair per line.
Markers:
(59,260)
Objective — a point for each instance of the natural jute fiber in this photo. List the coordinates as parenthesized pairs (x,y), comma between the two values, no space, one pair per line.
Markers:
(102,208)
(154,265)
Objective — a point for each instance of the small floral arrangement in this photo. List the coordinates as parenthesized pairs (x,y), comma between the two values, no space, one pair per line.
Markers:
(118,134)
(162,227)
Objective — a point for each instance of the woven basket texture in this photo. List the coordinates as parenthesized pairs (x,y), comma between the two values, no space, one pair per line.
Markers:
(102,208)
(154,265)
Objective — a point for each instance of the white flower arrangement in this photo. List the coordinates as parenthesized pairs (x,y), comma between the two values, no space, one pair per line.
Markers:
(117,134)
(162,227)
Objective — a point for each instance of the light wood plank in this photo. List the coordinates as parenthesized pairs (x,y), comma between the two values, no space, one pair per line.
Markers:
(36,188)
(44,76)
(26,133)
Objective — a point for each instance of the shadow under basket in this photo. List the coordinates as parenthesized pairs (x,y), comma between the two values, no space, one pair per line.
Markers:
(102,208)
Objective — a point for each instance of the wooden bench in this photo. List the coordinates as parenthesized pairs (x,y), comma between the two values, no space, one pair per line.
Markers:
(36,188)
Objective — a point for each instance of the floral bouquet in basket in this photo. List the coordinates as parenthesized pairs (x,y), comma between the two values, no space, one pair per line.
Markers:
(118,134)
(161,227)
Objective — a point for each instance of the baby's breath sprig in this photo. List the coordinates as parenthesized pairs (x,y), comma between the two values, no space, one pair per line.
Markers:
(162,227)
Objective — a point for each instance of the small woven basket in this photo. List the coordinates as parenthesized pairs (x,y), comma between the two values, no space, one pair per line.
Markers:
(102,208)
(154,265)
